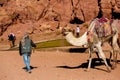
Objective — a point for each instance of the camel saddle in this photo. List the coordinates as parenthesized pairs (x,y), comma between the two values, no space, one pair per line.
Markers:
(102,30)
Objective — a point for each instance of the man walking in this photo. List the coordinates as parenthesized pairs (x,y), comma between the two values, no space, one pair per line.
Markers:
(25,48)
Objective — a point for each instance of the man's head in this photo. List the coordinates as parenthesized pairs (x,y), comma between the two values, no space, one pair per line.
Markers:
(26,35)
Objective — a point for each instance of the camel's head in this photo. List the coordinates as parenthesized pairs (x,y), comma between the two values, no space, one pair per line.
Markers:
(66,33)
(65,30)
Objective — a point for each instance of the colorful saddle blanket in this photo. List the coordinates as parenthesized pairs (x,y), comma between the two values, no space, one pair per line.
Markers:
(101,29)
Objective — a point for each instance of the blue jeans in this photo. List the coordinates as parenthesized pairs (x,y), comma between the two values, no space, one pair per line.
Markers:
(26,59)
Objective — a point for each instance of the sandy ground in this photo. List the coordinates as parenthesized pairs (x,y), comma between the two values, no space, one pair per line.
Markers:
(54,65)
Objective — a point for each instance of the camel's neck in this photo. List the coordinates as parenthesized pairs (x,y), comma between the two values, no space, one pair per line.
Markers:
(77,41)
(81,40)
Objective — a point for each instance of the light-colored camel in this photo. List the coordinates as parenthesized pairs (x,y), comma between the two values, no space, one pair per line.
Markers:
(97,42)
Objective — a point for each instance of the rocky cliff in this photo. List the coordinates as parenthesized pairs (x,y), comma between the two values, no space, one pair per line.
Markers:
(36,16)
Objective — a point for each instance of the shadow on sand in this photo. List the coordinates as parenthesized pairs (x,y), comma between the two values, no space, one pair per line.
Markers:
(95,62)
(30,67)
(77,50)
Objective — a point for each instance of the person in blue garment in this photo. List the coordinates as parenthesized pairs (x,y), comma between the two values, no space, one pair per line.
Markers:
(25,50)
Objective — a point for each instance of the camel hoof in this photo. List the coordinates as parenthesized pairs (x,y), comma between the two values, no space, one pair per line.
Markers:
(113,67)
(87,70)
(108,70)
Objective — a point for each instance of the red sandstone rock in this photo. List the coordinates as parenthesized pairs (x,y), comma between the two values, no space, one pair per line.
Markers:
(34,14)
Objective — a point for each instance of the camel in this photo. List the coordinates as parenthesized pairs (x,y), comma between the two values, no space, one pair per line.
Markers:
(96,42)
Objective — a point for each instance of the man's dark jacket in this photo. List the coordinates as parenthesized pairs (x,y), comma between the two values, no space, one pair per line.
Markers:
(27,48)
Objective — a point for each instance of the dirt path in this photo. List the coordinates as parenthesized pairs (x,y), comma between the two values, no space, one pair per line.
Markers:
(54,65)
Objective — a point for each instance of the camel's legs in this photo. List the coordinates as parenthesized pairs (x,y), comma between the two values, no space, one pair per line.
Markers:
(118,42)
(111,53)
(102,55)
(115,59)
(116,53)
(114,45)
(90,59)
(114,65)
